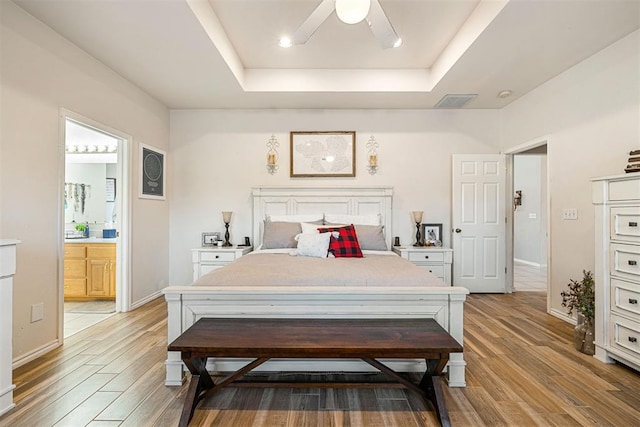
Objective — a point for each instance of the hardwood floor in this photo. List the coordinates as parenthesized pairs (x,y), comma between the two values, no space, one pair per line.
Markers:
(522,370)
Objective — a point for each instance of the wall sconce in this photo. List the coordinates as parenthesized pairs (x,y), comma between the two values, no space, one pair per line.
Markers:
(417,218)
(226,218)
(372,147)
(272,155)
(517,199)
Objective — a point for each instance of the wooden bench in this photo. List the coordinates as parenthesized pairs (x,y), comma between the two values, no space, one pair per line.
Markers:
(264,339)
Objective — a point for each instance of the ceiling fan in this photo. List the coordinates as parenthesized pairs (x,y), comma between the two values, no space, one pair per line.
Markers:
(349,12)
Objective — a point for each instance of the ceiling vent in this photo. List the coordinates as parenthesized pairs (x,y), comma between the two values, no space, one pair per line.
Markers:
(454,101)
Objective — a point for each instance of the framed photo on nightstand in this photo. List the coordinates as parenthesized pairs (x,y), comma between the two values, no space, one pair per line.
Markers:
(210,238)
(432,234)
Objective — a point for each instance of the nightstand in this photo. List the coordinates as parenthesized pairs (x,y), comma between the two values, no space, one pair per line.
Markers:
(435,259)
(210,258)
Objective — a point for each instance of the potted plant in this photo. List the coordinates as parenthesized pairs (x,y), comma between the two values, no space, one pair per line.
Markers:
(580,298)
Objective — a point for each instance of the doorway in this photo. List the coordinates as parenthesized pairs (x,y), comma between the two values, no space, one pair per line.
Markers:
(530,220)
(94,217)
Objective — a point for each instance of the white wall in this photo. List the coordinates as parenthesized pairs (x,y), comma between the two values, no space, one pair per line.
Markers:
(529,227)
(218,155)
(42,72)
(590,115)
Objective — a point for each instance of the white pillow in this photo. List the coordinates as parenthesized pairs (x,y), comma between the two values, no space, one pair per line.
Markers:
(309,227)
(373,219)
(314,245)
(296,218)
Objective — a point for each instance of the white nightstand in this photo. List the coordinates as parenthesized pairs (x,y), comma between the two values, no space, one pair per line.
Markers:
(433,258)
(210,258)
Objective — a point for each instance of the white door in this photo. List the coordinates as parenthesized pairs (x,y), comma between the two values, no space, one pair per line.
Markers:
(478,223)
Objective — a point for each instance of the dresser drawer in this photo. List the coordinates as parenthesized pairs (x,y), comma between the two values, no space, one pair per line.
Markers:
(437,270)
(624,335)
(624,190)
(217,256)
(625,297)
(437,257)
(625,261)
(625,224)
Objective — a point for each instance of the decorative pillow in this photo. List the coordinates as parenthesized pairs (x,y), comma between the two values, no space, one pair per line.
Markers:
(371,237)
(373,219)
(296,218)
(280,234)
(310,227)
(314,245)
(346,244)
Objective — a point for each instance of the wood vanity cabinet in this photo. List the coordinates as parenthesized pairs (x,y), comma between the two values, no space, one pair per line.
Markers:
(89,271)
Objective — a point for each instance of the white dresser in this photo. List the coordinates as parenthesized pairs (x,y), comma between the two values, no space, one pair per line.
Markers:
(7,270)
(435,259)
(617,268)
(209,258)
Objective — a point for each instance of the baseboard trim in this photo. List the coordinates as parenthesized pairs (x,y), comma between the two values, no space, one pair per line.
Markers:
(40,351)
(145,300)
(562,315)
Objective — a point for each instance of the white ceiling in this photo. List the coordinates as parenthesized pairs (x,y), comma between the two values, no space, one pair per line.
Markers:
(224,53)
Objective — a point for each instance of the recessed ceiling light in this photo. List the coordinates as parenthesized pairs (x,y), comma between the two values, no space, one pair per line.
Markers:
(504,94)
(285,42)
(398,42)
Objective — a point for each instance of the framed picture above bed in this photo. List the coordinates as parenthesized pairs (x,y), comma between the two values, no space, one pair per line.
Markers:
(323,154)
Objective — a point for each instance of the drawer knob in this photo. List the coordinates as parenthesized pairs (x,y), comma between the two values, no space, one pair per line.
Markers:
(633,224)
(426,257)
(217,256)
(633,301)
(633,339)
(632,262)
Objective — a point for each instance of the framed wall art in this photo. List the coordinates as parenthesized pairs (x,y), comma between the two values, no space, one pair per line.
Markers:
(152,173)
(323,154)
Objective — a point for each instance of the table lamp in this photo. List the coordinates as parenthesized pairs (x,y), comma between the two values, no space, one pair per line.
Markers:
(417,217)
(226,217)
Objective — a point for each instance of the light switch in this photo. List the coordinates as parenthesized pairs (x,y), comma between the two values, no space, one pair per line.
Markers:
(533,215)
(570,214)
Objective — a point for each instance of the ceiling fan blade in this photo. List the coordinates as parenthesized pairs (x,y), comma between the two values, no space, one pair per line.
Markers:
(317,17)
(381,27)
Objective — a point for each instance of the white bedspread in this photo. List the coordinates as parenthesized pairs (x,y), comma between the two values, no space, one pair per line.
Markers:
(277,269)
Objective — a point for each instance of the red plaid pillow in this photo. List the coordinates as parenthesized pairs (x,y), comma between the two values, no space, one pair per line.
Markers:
(346,245)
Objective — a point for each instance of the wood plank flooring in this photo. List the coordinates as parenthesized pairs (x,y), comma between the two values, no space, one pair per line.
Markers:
(522,371)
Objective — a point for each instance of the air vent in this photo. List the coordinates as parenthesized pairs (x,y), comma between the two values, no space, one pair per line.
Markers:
(454,101)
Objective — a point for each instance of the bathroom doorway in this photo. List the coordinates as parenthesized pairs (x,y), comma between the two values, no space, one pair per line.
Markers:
(530,220)
(94,230)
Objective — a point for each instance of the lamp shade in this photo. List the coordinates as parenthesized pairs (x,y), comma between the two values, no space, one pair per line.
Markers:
(226,216)
(417,216)
(352,11)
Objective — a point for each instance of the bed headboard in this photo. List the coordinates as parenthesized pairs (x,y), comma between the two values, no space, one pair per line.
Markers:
(328,200)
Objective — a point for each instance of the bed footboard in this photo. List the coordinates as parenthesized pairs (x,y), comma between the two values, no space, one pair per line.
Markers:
(186,304)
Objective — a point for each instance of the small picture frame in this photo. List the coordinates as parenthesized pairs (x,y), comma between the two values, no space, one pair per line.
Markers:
(432,234)
(210,238)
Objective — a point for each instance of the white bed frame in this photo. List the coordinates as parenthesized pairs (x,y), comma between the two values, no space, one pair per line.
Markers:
(186,304)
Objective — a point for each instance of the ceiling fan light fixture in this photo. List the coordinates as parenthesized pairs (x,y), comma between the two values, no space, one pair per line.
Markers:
(352,11)
(398,42)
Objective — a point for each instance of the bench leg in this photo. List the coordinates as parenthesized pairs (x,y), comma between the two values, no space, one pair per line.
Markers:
(431,383)
(200,382)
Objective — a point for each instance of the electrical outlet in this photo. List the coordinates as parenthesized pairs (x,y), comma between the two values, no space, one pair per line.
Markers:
(570,214)
(37,312)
